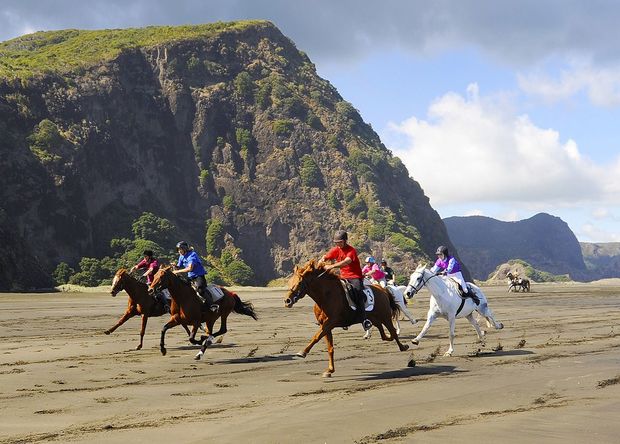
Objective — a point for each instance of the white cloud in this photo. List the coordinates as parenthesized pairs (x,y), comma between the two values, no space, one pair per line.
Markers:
(601,85)
(477,149)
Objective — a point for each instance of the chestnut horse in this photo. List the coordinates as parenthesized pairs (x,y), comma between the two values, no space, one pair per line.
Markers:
(140,302)
(190,308)
(332,310)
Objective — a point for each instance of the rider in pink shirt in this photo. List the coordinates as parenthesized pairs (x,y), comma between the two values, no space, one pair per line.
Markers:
(372,271)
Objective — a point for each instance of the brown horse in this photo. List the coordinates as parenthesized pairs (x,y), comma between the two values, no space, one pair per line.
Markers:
(140,302)
(332,309)
(190,308)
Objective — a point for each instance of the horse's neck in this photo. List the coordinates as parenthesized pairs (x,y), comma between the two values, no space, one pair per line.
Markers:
(437,286)
(136,290)
(181,292)
(322,292)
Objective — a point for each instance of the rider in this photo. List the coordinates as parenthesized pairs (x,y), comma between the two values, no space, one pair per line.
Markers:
(189,262)
(372,271)
(389,273)
(348,263)
(448,265)
(152,265)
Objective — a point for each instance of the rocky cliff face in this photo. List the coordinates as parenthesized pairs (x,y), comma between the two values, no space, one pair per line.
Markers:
(602,259)
(234,125)
(544,241)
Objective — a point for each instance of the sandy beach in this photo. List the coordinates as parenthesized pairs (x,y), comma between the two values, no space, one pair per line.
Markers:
(551,375)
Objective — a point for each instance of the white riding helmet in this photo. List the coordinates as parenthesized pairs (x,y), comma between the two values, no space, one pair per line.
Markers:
(370,260)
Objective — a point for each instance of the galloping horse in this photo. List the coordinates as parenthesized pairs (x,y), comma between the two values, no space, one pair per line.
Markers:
(190,308)
(332,310)
(446,302)
(398,292)
(140,302)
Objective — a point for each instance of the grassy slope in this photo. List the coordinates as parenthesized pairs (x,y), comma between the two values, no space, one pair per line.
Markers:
(67,50)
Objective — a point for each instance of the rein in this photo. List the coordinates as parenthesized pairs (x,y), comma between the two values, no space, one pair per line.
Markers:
(435,275)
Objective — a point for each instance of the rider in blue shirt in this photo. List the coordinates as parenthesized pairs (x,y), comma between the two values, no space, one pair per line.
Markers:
(189,262)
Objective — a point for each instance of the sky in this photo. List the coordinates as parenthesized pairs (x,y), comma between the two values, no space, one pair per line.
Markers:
(497,108)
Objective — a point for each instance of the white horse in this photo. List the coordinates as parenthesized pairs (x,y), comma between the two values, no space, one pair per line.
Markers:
(399,296)
(446,302)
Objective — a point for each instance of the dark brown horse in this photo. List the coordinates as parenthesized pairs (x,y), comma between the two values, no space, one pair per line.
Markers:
(332,309)
(140,302)
(191,311)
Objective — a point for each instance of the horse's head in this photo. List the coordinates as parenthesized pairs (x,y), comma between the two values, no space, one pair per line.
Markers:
(161,280)
(299,281)
(416,281)
(118,283)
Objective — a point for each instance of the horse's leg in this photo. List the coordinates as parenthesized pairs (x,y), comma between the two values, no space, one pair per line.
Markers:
(208,339)
(397,325)
(128,314)
(406,312)
(326,327)
(488,314)
(452,322)
(430,318)
(168,325)
(192,335)
(223,328)
(472,321)
(368,333)
(394,337)
(329,338)
(145,318)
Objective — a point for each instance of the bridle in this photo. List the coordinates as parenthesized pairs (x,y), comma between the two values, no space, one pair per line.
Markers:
(419,287)
(300,291)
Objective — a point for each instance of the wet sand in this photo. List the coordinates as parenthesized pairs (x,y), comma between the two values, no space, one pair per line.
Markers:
(551,375)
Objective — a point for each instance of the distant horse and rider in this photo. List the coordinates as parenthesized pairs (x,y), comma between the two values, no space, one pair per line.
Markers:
(517,283)
(192,311)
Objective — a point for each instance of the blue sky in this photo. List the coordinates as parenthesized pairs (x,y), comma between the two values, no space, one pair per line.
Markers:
(500,108)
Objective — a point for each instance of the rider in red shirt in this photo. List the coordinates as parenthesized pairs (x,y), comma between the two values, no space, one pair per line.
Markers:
(345,257)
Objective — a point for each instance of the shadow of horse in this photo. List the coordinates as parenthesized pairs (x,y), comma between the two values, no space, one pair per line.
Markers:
(257,359)
(425,370)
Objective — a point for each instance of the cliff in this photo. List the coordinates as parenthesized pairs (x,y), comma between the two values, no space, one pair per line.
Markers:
(227,121)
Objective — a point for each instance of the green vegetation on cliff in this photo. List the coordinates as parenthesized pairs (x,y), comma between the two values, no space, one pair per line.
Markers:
(66,50)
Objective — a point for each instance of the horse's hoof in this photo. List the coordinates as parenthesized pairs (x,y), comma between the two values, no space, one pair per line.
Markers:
(415,342)
(219,340)
(404,348)
(107,332)
(139,347)
(448,353)
(198,356)
(163,352)
(327,374)
(300,354)
(500,326)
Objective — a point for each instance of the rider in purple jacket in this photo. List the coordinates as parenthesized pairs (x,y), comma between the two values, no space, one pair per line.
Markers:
(449,265)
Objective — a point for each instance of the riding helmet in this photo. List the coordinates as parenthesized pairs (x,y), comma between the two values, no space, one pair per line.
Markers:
(184,245)
(148,253)
(442,249)
(370,260)
(340,235)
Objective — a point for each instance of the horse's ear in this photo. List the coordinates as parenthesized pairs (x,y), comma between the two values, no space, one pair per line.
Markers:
(296,269)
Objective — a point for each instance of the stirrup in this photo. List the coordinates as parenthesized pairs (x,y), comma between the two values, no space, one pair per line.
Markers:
(366,324)
(214,308)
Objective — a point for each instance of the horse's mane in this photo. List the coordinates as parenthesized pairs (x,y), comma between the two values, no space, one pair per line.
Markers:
(313,267)
(120,271)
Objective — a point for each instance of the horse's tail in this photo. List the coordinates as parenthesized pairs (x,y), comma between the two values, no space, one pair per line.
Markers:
(244,308)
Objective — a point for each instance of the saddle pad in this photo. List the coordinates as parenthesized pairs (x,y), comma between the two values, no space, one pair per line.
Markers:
(216,292)
(370,298)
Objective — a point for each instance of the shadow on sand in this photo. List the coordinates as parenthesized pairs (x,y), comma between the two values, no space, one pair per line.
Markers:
(424,370)
(253,359)
(500,353)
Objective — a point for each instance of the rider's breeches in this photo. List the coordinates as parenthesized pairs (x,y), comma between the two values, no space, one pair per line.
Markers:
(458,276)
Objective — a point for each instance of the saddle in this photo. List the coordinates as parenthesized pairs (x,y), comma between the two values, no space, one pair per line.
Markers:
(470,293)
(353,297)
